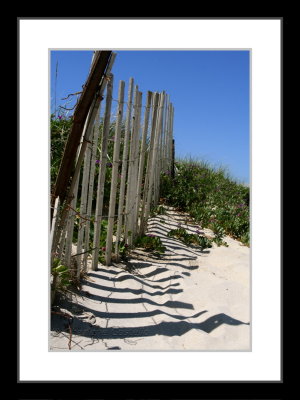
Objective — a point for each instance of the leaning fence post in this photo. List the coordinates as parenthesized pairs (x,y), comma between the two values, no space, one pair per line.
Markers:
(84,140)
(114,179)
(93,112)
(97,72)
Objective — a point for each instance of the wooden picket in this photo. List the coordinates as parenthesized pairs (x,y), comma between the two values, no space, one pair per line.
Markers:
(91,189)
(114,179)
(131,171)
(101,176)
(142,163)
(150,166)
(124,167)
(54,226)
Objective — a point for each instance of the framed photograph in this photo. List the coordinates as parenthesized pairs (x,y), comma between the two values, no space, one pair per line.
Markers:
(153,157)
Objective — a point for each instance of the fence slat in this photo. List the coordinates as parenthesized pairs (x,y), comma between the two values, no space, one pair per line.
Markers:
(91,187)
(124,167)
(172,143)
(114,179)
(147,189)
(169,140)
(136,156)
(142,157)
(154,163)
(158,163)
(101,177)
(166,140)
(71,222)
(54,226)
(83,202)
(130,182)
(154,104)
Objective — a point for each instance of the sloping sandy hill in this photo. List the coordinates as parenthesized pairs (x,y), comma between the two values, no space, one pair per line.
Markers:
(186,299)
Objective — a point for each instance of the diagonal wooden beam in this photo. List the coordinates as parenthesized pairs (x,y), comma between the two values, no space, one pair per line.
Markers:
(97,72)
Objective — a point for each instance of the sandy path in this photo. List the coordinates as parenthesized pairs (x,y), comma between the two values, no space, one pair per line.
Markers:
(184,300)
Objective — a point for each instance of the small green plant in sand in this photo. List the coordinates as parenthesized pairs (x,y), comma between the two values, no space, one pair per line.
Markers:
(150,242)
(219,233)
(160,209)
(62,277)
(190,238)
(123,250)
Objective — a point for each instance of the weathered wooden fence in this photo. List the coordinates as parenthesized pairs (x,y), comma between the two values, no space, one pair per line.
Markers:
(143,149)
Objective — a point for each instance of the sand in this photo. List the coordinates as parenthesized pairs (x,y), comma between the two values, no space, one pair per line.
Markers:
(186,299)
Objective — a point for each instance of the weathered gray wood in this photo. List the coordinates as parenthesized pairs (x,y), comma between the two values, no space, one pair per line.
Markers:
(83,202)
(147,189)
(130,182)
(114,178)
(54,226)
(101,177)
(158,152)
(142,157)
(162,136)
(91,186)
(172,141)
(133,209)
(62,242)
(166,141)
(169,141)
(71,221)
(153,169)
(124,167)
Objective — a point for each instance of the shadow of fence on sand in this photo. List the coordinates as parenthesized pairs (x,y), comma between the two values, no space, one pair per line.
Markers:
(170,268)
(176,328)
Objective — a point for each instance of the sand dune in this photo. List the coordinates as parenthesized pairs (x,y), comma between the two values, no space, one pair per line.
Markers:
(185,300)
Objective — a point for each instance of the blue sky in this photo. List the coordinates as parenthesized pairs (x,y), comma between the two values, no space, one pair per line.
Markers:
(209,91)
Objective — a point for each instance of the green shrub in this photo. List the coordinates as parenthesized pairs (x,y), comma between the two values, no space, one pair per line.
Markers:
(211,197)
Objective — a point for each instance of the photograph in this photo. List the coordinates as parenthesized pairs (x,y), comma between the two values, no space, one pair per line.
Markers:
(149,200)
